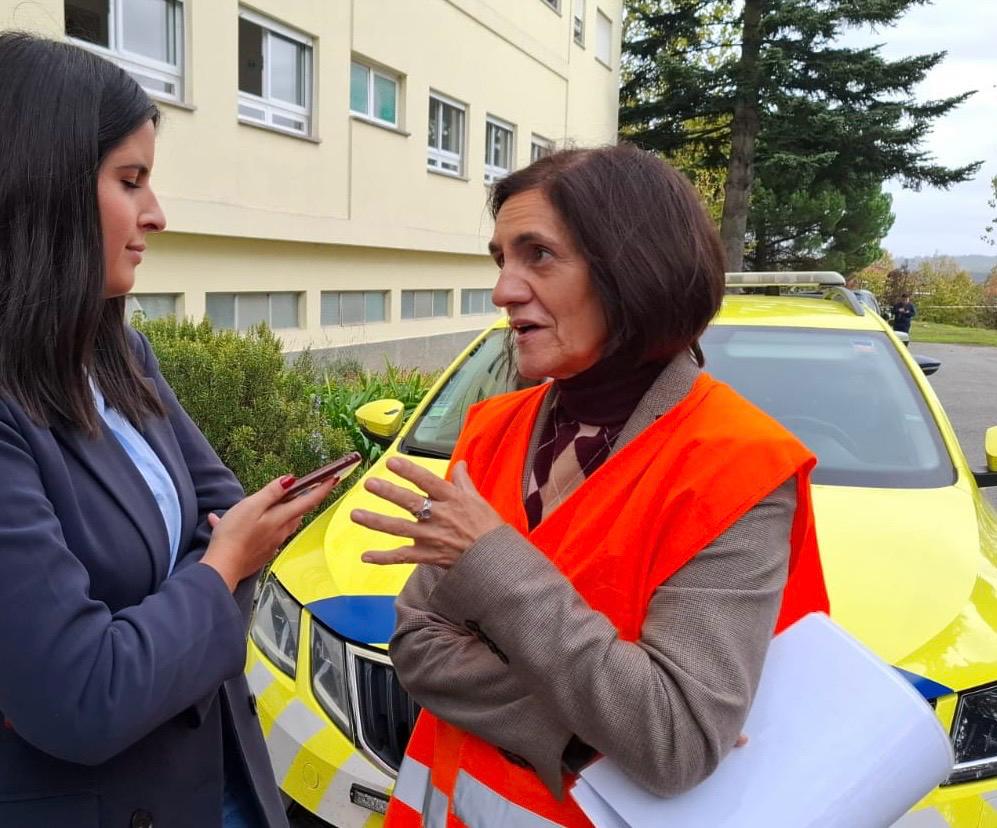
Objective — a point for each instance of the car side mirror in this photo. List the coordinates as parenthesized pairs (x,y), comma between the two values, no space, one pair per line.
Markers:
(988,477)
(381,420)
(929,365)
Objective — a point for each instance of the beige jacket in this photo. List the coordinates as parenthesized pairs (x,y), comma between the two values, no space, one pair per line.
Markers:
(503,646)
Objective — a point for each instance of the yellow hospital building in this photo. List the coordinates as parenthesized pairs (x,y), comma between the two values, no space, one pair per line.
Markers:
(324,164)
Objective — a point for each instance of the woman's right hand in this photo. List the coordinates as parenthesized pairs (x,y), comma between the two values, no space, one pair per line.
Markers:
(249,534)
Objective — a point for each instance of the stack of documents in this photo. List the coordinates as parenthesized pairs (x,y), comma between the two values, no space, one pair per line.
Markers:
(837,739)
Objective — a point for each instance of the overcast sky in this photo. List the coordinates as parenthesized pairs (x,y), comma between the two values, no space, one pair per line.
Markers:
(948,221)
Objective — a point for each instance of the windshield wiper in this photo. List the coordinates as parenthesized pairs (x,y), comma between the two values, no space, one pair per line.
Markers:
(419,451)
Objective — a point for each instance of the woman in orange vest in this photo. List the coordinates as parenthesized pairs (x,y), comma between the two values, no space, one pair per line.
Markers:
(604,567)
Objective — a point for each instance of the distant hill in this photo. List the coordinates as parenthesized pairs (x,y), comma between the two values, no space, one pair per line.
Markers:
(978,267)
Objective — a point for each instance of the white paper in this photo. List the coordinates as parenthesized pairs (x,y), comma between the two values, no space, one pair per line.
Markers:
(595,807)
(837,739)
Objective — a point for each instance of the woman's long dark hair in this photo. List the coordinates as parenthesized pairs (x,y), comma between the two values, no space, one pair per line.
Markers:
(61,111)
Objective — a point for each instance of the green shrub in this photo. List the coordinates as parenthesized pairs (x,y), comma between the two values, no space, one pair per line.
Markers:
(258,413)
(348,386)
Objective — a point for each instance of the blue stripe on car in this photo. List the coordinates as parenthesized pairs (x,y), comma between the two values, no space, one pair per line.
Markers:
(366,619)
(925,686)
(370,619)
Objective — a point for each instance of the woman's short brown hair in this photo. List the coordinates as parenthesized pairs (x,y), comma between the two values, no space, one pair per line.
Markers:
(654,255)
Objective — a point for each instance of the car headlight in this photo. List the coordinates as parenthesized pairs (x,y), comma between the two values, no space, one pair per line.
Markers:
(974,736)
(275,625)
(329,676)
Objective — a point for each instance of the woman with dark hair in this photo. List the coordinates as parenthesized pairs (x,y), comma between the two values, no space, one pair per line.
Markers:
(604,568)
(125,592)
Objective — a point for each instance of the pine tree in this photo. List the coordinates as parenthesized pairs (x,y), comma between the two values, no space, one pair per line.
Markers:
(763,89)
(797,225)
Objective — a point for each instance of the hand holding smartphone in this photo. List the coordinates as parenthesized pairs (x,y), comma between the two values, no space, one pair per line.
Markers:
(341,468)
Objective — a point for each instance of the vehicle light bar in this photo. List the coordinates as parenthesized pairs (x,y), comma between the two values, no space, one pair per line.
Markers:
(798,278)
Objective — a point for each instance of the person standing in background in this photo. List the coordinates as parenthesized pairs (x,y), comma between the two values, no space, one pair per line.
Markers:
(903,312)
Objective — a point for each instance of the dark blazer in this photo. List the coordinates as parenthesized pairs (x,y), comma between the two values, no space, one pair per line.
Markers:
(118,685)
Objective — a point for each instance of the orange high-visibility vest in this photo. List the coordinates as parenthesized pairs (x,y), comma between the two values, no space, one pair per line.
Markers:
(630,526)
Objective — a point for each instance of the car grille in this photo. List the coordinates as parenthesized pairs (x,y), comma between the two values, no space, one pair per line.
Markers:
(386,712)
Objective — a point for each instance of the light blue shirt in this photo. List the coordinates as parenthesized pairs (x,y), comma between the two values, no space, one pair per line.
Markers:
(236,809)
(150,467)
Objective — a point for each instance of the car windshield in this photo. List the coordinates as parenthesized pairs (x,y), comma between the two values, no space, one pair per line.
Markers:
(485,373)
(846,394)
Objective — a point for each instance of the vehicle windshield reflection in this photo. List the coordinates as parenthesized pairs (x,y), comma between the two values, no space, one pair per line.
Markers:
(487,371)
(846,394)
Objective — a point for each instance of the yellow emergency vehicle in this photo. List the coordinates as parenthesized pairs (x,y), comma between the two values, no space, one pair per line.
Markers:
(909,548)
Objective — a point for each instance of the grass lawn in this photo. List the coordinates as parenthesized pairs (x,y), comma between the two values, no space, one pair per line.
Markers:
(954,334)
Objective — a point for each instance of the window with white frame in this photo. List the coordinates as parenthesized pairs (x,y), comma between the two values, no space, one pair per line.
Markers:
(446,135)
(241,311)
(144,37)
(476,301)
(578,21)
(499,149)
(353,307)
(603,38)
(154,305)
(554,4)
(275,74)
(540,148)
(425,304)
(373,93)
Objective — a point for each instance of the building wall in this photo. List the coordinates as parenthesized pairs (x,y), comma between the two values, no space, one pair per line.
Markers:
(225,264)
(354,205)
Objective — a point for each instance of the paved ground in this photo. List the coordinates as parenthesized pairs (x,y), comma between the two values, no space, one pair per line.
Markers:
(967,386)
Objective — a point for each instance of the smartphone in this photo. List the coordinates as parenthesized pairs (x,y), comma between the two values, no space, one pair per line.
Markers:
(341,468)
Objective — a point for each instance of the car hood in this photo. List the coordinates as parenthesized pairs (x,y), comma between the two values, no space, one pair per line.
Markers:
(325,573)
(911,573)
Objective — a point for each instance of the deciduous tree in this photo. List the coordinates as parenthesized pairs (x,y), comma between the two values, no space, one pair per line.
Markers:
(990,231)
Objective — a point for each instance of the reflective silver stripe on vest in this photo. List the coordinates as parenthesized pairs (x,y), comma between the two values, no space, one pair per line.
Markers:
(478,806)
(413,780)
(415,788)
(434,812)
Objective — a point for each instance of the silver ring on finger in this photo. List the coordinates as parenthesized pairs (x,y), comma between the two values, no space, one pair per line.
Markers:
(425,512)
